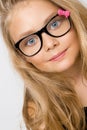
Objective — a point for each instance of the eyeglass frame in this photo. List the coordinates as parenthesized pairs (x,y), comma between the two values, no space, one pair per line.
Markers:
(38,33)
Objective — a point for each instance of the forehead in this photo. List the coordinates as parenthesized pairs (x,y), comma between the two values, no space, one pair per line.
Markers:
(29,16)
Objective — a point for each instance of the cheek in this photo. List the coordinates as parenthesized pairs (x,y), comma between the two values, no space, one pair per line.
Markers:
(75,42)
(72,40)
(74,46)
(36,60)
(39,61)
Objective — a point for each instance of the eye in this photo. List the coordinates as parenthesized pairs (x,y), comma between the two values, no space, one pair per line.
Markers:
(30,41)
(55,24)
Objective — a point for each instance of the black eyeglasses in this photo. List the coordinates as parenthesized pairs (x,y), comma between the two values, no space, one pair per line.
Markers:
(30,45)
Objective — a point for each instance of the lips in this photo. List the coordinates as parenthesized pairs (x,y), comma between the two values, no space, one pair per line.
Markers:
(58,56)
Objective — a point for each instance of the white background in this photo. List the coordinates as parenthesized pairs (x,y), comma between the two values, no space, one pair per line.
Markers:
(11,92)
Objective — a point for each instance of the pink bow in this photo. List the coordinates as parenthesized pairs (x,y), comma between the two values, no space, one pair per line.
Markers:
(63,12)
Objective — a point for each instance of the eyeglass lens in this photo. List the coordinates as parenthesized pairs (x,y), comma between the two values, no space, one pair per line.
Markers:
(57,27)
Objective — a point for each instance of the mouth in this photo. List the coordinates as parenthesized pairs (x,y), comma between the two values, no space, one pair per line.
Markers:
(58,56)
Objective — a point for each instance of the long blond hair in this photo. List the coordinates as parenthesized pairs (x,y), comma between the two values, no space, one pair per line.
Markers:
(56,102)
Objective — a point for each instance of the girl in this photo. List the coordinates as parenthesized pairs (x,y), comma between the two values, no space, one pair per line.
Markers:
(47,40)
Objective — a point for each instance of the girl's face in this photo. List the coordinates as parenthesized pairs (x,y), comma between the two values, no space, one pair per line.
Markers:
(57,54)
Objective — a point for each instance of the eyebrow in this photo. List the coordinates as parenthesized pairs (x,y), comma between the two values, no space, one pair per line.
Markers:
(25,34)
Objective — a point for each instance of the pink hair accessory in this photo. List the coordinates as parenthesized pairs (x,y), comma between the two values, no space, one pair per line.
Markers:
(64,13)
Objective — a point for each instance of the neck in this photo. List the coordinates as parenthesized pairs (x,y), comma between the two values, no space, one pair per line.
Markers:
(78,81)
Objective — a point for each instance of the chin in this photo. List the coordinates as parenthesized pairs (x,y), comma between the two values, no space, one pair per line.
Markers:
(65,67)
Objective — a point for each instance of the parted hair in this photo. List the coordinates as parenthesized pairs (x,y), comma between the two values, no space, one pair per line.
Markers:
(50,101)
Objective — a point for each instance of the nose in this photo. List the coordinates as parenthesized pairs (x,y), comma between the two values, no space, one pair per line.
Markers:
(49,42)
